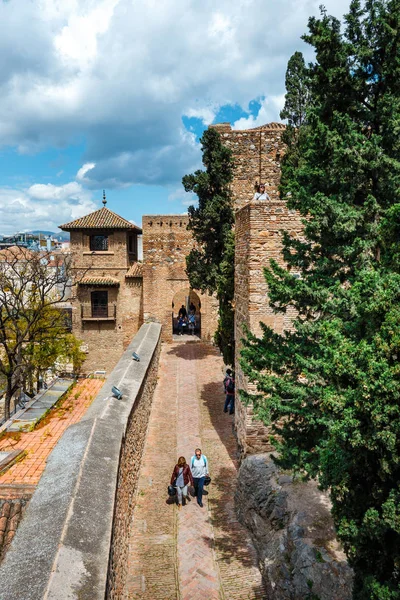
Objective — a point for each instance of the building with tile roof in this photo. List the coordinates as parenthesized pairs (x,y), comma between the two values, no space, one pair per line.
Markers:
(104,218)
(106,303)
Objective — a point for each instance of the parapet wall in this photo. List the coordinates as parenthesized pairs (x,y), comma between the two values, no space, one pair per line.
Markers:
(258,240)
(83,503)
(257,155)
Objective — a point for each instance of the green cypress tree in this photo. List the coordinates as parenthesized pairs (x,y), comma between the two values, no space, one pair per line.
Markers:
(210,266)
(331,385)
(297,91)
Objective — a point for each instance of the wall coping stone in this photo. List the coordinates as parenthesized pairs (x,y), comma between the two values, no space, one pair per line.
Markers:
(62,546)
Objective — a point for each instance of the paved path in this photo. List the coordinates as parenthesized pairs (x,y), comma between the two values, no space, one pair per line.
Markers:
(193,554)
(38,443)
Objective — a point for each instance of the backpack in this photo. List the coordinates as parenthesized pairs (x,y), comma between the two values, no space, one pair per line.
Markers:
(204,460)
(230,385)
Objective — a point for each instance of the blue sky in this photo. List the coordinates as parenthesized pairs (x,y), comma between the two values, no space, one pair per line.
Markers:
(115,94)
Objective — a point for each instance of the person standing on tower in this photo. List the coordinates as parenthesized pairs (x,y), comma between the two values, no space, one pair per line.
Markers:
(261,194)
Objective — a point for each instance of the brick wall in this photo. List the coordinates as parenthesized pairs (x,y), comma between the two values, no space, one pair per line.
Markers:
(11,512)
(258,239)
(166,243)
(128,475)
(257,155)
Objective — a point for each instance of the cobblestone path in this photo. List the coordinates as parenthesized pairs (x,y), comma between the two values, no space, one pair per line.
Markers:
(195,553)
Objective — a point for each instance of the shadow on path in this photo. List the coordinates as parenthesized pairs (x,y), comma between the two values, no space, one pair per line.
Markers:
(201,350)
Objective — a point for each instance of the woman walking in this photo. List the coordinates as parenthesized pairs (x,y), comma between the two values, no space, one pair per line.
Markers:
(181,477)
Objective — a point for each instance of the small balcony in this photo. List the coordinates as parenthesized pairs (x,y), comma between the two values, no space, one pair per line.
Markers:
(98,312)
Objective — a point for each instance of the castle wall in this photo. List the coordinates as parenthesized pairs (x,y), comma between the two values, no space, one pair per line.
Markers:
(105,341)
(258,240)
(257,155)
(166,243)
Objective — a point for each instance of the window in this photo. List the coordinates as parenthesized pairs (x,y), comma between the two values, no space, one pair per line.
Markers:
(99,301)
(132,246)
(99,242)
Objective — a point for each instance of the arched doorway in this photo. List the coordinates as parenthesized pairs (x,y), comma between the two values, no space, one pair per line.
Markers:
(192,305)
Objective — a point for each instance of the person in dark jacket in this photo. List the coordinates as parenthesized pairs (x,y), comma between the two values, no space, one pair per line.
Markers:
(229,388)
(182,312)
(181,477)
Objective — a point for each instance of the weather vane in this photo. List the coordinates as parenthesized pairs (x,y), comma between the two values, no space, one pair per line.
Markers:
(104,197)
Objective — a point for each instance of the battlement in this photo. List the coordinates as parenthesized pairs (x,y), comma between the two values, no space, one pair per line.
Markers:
(257,155)
(164,223)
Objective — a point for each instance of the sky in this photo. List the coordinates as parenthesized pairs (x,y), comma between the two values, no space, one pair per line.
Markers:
(114,95)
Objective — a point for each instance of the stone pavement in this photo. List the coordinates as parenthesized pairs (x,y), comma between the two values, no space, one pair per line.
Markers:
(196,553)
(38,444)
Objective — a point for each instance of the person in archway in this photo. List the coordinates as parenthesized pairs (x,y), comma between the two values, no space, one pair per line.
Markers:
(192,322)
(199,468)
(192,308)
(261,194)
(181,477)
(182,312)
(182,323)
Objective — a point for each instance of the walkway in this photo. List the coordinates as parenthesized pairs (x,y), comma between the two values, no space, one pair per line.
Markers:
(38,444)
(196,553)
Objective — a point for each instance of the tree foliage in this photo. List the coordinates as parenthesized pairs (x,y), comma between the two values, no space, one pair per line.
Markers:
(210,265)
(331,385)
(297,91)
(33,329)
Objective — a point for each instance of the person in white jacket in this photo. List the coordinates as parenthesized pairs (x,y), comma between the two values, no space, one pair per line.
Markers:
(261,194)
(199,468)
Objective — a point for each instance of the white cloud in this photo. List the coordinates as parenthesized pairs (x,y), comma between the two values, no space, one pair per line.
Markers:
(83,170)
(43,206)
(186,198)
(268,112)
(121,74)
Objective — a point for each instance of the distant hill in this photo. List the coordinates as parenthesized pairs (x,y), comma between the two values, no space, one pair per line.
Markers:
(59,235)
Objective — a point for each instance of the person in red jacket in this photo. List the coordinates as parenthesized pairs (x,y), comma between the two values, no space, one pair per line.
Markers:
(181,477)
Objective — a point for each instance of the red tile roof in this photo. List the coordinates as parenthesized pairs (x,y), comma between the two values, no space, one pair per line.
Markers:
(135,270)
(269,126)
(16,253)
(94,280)
(103,218)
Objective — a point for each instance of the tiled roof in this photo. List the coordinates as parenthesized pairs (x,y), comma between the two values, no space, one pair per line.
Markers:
(135,270)
(16,253)
(103,218)
(269,126)
(94,280)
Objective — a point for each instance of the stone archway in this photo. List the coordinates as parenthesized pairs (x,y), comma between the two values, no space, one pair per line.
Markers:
(188,298)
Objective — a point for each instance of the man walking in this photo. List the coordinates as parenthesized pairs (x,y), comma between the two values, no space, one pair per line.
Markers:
(199,468)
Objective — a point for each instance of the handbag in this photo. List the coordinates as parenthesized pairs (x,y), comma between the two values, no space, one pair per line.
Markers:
(207,480)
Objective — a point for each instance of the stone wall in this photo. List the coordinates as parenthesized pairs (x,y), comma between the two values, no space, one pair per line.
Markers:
(293,532)
(258,240)
(105,340)
(69,523)
(257,155)
(129,470)
(166,243)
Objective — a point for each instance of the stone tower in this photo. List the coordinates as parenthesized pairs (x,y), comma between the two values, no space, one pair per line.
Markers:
(107,292)
(257,154)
